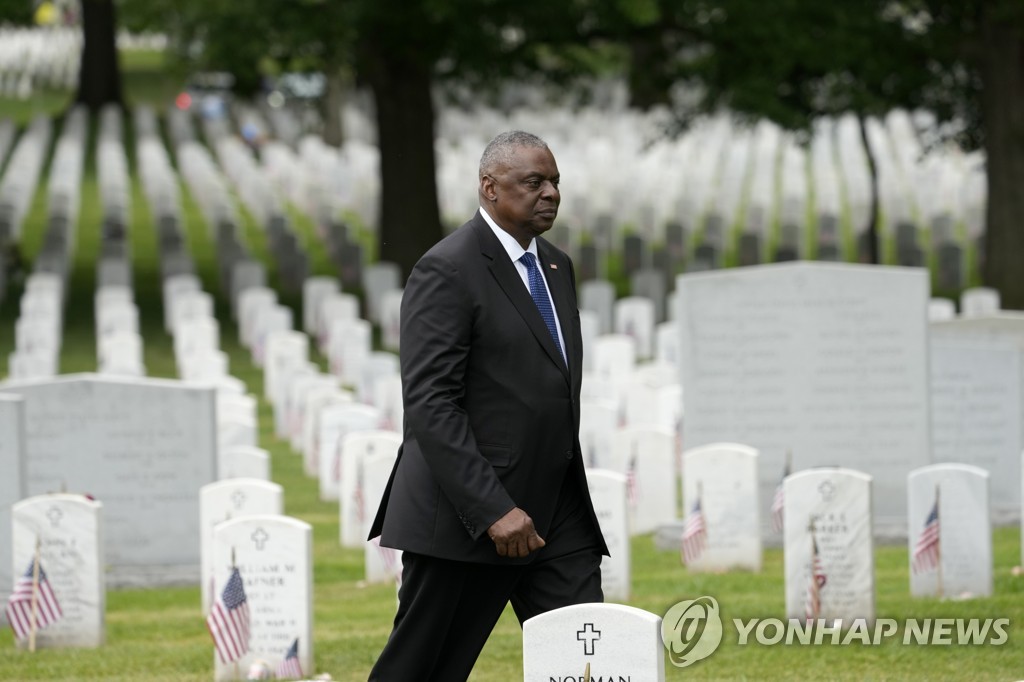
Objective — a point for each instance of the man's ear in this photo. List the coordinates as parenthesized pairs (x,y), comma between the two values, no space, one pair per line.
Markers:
(489,188)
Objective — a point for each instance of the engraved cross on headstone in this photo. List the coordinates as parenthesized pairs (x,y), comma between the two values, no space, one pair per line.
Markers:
(238,499)
(827,490)
(55,515)
(588,635)
(260,537)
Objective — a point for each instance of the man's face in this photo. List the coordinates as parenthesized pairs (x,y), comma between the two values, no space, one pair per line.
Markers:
(524,194)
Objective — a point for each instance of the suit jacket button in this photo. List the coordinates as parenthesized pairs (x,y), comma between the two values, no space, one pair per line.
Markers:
(568,454)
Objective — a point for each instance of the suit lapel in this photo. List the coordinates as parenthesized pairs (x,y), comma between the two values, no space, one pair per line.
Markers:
(512,284)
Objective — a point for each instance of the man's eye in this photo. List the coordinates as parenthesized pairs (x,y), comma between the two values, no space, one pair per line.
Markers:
(533,184)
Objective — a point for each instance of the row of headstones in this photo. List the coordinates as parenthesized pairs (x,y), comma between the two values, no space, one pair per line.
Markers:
(829,557)
(196,336)
(650,267)
(720,483)
(114,268)
(64,194)
(34,58)
(260,197)
(190,319)
(720,169)
(17,187)
(242,527)
(38,329)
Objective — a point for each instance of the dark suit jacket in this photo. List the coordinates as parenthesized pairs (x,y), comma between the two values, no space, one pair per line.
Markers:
(491,411)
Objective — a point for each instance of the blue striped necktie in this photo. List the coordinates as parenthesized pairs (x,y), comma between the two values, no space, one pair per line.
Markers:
(540,297)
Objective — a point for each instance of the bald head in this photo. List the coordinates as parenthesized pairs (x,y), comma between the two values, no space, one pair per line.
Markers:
(500,150)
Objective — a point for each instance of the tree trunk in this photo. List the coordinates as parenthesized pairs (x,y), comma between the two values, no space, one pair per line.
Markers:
(872,232)
(334,133)
(1002,99)
(410,221)
(99,77)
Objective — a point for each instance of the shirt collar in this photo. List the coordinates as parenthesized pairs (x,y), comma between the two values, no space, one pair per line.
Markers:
(512,247)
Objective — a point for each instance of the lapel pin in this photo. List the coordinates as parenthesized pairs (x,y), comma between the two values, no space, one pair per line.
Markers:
(552,266)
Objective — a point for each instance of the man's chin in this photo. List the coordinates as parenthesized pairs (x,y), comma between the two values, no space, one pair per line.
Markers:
(542,222)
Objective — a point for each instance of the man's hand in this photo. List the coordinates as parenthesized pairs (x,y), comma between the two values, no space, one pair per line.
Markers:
(514,535)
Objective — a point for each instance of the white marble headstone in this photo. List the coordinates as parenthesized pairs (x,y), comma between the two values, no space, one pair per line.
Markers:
(299,389)
(314,290)
(965,531)
(382,564)
(356,506)
(336,422)
(614,357)
(377,365)
(250,302)
(390,319)
(724,476)
(70,533)
(598,296)
(284,351)
(618,642)
(635,317)
(378,279)
(274,555)
(351,341)
(979,301)
(941,310)
(828,360)
(608,493)
(315,399)
(599,420)
(12,483)
(226,500)
(244,461)
(590,326)
(977,401)
(836,503)
(143,446)
(334,307)
(647,458)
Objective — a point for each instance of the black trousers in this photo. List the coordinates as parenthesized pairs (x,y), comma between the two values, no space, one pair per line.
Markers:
(447,609)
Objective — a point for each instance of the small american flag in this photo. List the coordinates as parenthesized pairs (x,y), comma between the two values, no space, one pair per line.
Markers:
(229,620)
(926,552)
(694,534)
(358,496)
(290,667)
(553,266)
(632,489)
(391,558)
(19,604)
(817,580)
(336,463)
(779,502)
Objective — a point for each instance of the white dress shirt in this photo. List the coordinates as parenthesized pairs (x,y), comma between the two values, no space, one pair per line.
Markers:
(515,252)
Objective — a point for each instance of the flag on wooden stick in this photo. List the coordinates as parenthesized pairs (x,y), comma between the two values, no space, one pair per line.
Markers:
(290,666)
(694,534)
(779,500)
(815,582)
(926,551)
(228,621)
(32,601)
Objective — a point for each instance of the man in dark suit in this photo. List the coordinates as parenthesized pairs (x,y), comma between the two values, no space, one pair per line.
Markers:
(489,496)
